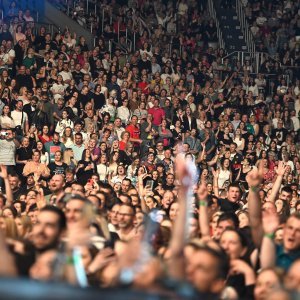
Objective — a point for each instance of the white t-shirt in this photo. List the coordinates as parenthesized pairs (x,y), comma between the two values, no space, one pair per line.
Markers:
(17,117)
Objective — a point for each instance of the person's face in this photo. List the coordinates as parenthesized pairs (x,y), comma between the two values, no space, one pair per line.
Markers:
(291,234)
(56,183)
(114,214)
(57,156)
(125,217)
(167,199)
(139,219)
(7,213)
(46,231)
(243,220)
(19,224)
(36,157)
(265,283)
(170,179)
(125,186)
(231,244)
(74,210)
(285,196)
(222,225)
(174,210)
(233,194)
(78,140)
(201,271)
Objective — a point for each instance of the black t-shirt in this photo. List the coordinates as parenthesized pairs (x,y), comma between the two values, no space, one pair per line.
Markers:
(56,169)
(228,206)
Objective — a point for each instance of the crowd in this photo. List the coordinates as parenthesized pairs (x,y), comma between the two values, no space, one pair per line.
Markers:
(146,170)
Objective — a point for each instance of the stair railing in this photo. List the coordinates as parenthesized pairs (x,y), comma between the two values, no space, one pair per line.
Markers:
(213,15)
(245,27)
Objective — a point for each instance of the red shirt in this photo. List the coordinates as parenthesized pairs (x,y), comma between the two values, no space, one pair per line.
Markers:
(158,115)
(134,133)
(142,85)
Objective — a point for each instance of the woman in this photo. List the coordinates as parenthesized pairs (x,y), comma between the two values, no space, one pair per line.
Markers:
(99,98)
(164,134)
(36,167)
(39,117)
(226,140)
(57,166)
(29,60)
(239,140)
(102,168)
(133,168)
(67,138)
(121,174)
(243,259)
(45,137)
(225,175)
(23,155)
(113,163)
(125,136)
(189,122)
(64,123)
(69,158)
(177,132)
(123,112)
(8,228)
(44,155)
(19,35)
(85,168)
(246,168)
(24,226)
(141,112)
(58,88)
(6,121)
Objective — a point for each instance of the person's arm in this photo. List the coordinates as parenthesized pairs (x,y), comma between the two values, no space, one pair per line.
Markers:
(8,190)
(268,251)
(7,266)
(177,243)
(280,171)
(203,217)
(254,179)
(215,182)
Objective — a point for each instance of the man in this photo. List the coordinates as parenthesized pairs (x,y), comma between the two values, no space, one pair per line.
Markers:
(279,133)
(157,113)
(50,225)
(22,79)
(169,184)
(56,186)
(15,184)
(77,74)
(78,147)
(118,128)
(160,153)
(236,160)
(20,119)
(113,85)
(194,142)
(126,215)
(126,184)
(30,109)
(8,147)
(207,269)
(66,74)
(54,145)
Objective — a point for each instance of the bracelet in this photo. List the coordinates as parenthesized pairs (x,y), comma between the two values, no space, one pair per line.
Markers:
(69,260)
(202,203)
(269,235)
(254,189)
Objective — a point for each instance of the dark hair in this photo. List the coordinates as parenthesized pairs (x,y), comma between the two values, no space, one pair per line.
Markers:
(229,216)
(62,223)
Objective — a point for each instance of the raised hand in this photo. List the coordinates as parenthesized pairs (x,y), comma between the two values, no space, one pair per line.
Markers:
(281,168)
(202,192)
(255,176)
(270,221)
(3,172)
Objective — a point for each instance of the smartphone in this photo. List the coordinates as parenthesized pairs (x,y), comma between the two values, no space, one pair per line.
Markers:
(150,184)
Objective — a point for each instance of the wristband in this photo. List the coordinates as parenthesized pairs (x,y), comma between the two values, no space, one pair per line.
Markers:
(69,260)
(202,203)
(254,189)
(269,235)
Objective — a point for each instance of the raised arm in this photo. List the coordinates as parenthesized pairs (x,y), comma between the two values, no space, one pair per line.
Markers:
(254,179)
(268,251)
(8,190)
(280,170)
(203,211)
